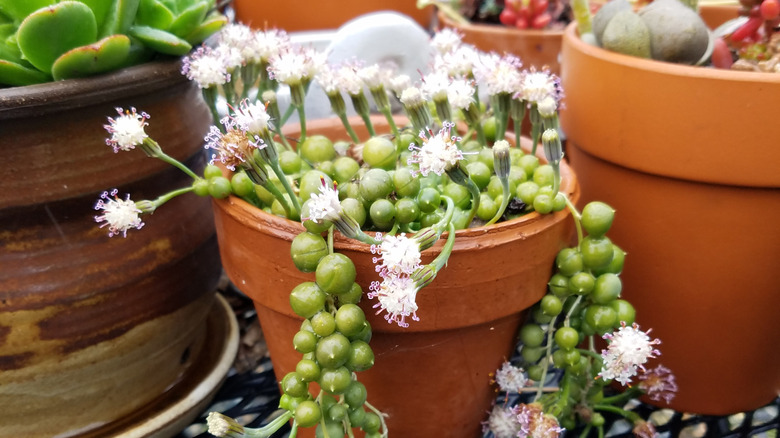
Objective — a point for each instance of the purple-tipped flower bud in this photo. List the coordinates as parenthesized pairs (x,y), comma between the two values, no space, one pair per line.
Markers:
(424,276)
(426,238)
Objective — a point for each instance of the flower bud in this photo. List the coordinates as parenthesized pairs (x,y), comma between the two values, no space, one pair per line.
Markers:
(223,426)
(256,173)
(347,225)
(501,161)
(426,237)
(424,276)
(553,149)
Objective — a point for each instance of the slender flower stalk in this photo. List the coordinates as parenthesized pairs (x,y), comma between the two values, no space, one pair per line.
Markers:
(375,78)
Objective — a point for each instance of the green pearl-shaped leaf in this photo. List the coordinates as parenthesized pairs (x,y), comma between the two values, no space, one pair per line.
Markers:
(160,40)
(102,56)
(17,75)
(51,31)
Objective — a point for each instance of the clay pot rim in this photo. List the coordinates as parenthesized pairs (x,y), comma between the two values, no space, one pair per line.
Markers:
(528,224)
(71,94)
(571,38)
(496,30)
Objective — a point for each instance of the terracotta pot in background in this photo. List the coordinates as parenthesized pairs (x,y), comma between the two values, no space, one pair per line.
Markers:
(301,15)
(537,48)
(685,156)
(93,328)
(432,378)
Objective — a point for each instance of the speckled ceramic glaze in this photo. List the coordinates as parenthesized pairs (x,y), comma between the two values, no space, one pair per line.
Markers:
(432,378)
(687,157)
(92,327)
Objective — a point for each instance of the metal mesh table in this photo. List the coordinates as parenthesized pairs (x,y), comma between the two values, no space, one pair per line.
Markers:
(250,394)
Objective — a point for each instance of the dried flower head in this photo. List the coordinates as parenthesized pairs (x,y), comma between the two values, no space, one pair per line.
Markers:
(120,215)
(127,130)
(644,429)
(658,383)
(502,422)
(233,147)
(534,423)
(629,348)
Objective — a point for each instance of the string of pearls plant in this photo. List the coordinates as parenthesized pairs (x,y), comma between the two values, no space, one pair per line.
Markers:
(452,166)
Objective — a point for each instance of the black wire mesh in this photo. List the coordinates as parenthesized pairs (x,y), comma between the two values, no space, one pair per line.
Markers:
(252,397)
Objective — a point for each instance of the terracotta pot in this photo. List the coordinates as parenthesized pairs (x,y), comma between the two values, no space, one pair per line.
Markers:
(432,378)
(298,15)
(534,47)
(682,153)
(91,327)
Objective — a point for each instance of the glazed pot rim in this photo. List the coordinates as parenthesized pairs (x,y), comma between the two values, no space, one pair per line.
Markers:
(70,94)
(572,39)
(496,30)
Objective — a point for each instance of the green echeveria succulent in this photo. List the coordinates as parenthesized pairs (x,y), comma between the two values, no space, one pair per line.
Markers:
(44,40)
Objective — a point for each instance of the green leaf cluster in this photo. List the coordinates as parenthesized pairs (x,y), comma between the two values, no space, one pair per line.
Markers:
(45,40)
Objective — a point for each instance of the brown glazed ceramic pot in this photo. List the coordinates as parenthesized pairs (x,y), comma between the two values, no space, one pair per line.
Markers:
(92,328)
(431,378)
(302,15)
(686,157)
(534,47)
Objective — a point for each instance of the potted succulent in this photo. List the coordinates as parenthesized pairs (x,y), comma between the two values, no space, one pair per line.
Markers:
(532,30)
(392,260)
(679,141)
(73,304)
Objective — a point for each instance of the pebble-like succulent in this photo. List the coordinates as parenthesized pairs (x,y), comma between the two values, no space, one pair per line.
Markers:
(45,40)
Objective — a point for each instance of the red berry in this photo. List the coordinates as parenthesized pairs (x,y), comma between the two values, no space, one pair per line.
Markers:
(541,21)
(508,17)
(748,29)
(721,54)
(770,9)
(521,23)
(540,6)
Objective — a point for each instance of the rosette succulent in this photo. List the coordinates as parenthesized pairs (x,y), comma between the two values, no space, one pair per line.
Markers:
(45,40)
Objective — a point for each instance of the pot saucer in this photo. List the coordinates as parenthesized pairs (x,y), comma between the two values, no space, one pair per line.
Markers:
(171,413)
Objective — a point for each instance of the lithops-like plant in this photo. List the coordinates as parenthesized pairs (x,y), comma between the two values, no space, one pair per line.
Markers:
(45,40)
